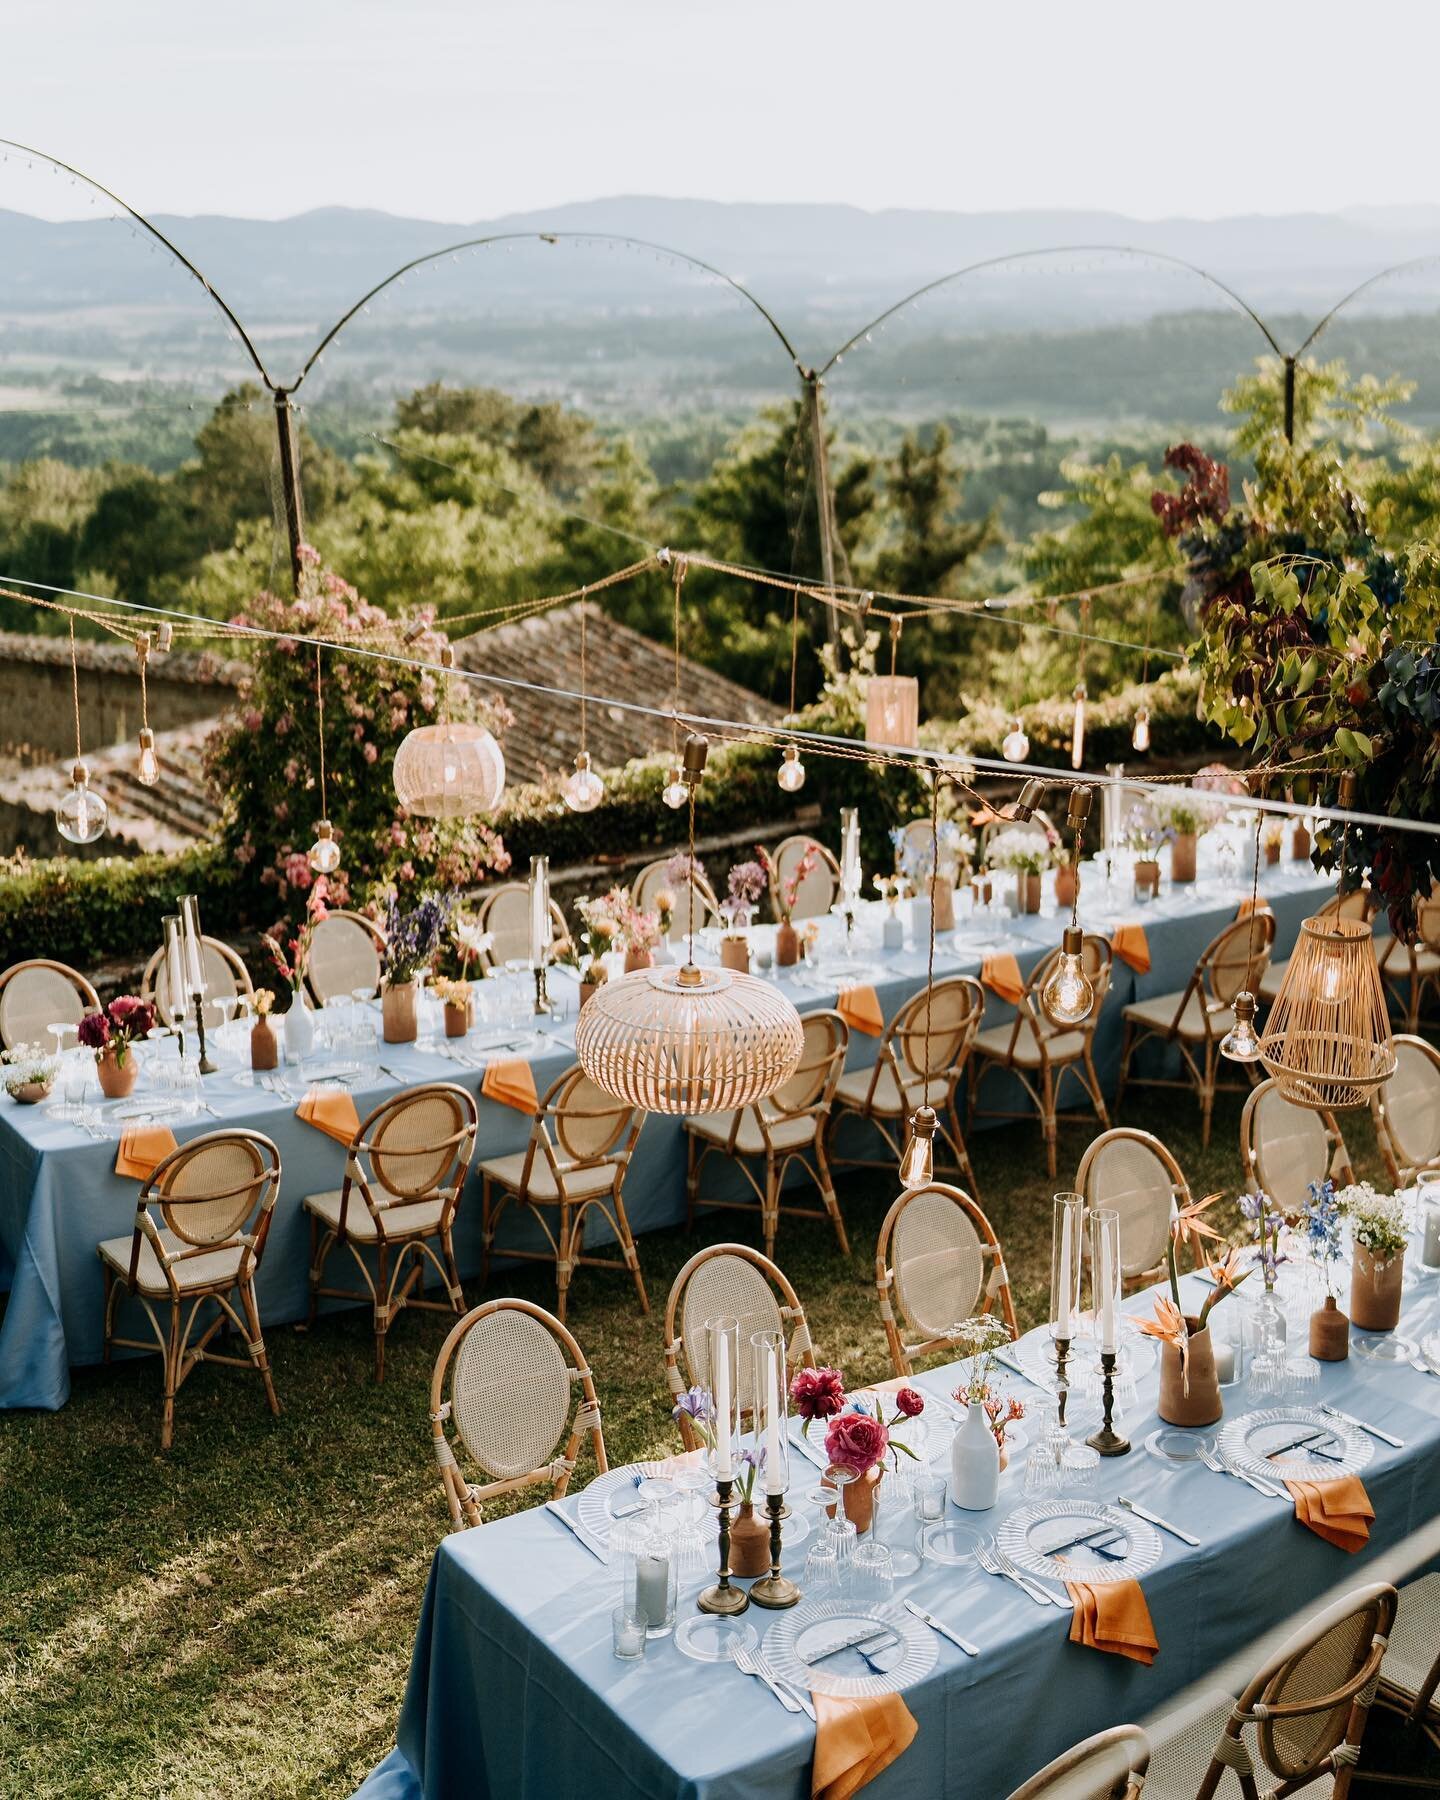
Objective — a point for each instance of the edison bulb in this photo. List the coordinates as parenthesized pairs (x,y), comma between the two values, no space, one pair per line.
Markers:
(1331,981)
(1240,1044)
(1015,746)
(917,1165)
(1077,733)
(1067,995)
(324,852)
(675,793)
(148,767)
(791,775)
(1140,737)
(81,816)
(584,790)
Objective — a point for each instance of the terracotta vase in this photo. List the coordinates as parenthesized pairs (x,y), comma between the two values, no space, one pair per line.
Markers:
(787,945)
(1329,1332)
(1065,885)
(1147,878)
(457,1019)
(1201,1404)
(117,1079)
(942,899)
(264,1045)
(1299,844)
(587,988)
(1272,854)
(860,1498)
(735,954)
(638,959)
(1375,1290)
(749,1542)
(1028,889)
(1182,856)
(399,1012)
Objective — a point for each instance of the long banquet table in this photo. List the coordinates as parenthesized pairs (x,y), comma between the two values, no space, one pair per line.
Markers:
(514,1693)
(59,1195)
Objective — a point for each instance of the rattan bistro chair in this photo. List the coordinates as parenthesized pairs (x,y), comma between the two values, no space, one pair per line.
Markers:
(512,1369)
(226,978)
(1357,904)
(728,1281)
(1040,1055)
(345,953)
(37,994)
(819,889)
(214,1197)
(580,1146)
(505,913)
(1198,1017)
(404,1175)
(1286,1147)
(915,1066)
(939,1257)
(1409,971)
(1410,1673)
(654,877)
(1132,1173)
(1406,1110)
(1109,1766)
(787,1128)
(1300,1718)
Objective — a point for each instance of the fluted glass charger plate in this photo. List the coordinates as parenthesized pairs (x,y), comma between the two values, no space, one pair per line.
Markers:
(1042,1538)
(1296,1443)
(622,1494)
(813,1645)
(1171,1443)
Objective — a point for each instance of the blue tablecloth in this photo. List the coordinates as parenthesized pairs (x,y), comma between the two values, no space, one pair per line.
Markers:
(514,1693)
(59,1195)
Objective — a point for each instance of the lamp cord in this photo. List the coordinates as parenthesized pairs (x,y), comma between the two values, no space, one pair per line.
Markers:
(794,646)
(584,680)
(75,689)
(142,650)
(319,730)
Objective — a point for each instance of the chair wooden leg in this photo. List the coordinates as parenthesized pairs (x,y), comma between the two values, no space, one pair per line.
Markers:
(1048,1122)
(1127,1046)
(1096,1092)
(457,1295)
(382,1308)
(172,1376)
(691,1178)
(828,1195)
(564,1261)
(313,1309)
(261,1356)
(962,1150)
(109,1309)
(1207,1095)
(627,1245)
(487,1228)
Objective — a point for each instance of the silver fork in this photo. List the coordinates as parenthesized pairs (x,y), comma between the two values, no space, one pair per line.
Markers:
(992,1566)
(797,1693)
(1212,1461)
(748,1664)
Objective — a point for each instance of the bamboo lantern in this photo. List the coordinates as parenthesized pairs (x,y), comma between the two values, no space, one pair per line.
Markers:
(688,1040)
(892,711)
(1328,1040)
(449,771)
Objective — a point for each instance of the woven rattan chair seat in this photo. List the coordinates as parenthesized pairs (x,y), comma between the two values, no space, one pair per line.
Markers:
(410,1220)
(785,1134)
(580,1184)
(1414,1639)
(216,1268)
(995,1041)
(1159,1012)
(853,1088)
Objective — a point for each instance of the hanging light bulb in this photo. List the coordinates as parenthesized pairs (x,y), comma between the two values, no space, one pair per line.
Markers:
(147,770)
(917,1165)
(675,792)
(1015,746)
(1241,1044)
(1067,995)
(1077,731)
(1140,737)
(584,790)
(791,775)
(324,852)
(81,816)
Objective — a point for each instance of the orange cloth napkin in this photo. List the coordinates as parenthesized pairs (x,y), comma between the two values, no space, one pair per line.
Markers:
(512,1083)
(1247,906)
(1131,945)
(859,1007)
(332,1111)
(1338,1511)
(1001,974)
(142,1150)
(855,1740)
(1113,1616)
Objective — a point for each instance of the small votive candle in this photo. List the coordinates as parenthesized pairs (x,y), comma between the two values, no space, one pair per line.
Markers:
(1224,1354)
(652,1590)
(929,1495)
(627,1632)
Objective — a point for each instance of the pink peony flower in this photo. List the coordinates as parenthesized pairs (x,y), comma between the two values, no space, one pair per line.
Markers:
(297,871)
(371,754)
(856,1441)
(817,1393)
(911,1403)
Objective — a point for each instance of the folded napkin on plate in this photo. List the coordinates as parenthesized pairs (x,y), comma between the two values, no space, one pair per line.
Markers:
(1001,974)
(1113,1616)
(142,1150)
(855,1740)
(859,1007)
(1338,1511)
(332,1111)
(1131,945)
(512,1082)
(1248,905)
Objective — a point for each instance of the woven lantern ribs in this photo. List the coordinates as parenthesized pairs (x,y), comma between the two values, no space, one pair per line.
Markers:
(1327,1043)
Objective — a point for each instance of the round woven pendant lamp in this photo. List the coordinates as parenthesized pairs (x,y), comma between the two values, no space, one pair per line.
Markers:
(1327,1041)
(688,1040)
(449,771)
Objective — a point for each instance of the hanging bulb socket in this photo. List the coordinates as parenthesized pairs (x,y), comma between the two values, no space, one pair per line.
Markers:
(1241,1044)
(917,1165)
(791,774)
(1030,796)
(164,636)
(697,753)
(1346,795)
(1079,808)
(148,768)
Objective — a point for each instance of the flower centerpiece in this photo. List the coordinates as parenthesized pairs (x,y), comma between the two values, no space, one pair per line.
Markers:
(1188,818)
(1026,851)
(454,996)
(784,895)
(1189,1383)
(639,933)
(983,1337)
(858,1437)
(264,1051)
(413,939)
(744,886)
(976,1450)
(1325,1242)
(1144,835)
(27,1073)
(1377,1237)
(471,943)
(111,1034)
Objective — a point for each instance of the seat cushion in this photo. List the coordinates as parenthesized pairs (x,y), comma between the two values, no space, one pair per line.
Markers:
(411,1220)
(785,1134)
(1064,1047)
(1159,1012)
(580,1184)
(888,1100)
(214,1268)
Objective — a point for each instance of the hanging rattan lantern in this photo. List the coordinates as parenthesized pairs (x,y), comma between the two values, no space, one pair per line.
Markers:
(449,770)
(892,711)
(1327,1043)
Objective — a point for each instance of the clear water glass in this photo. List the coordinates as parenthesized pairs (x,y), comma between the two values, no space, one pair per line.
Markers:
(927,1492)
(822,1571)
(1079,1471)
(1042,1471)
(627,1633)
(872,1573)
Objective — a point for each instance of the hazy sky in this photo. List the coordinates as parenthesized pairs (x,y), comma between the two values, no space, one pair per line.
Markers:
(463,111)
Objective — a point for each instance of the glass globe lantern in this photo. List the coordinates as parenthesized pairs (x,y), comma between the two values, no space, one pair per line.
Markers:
(1015,746)
(791,774)
(82,815)
(324,852)
(584,790)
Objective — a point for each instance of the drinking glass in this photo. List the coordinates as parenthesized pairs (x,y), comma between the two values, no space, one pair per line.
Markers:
(627,1633)
(822,1571)
(1079,1471)
(872,1571)
(1042,1471)
(928,1495)
(840,1532)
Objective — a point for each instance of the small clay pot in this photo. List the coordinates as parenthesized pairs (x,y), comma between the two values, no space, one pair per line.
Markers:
(1147,877)
(1375,1290)
(1329,1332)
(1065,885)
(264,1045)
(787,945)
(1195,1401)
(942,898)
(860,1498)
(1300,844)
(735,954)
(1182,856)
(117,1079)
(749,1542)
(399,1022)
(1272,853)
(1028,889)
(638,959)
(457,1019)
(31,1092)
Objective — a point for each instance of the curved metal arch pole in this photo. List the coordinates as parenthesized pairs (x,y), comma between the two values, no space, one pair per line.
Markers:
(1414,262)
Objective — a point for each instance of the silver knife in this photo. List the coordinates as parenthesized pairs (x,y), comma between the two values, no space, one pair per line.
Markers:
(940,1626)
(1014,1363)
(1155,1519)
(1108,1532)
(854,1641)
(1363,1425)
(587,1538)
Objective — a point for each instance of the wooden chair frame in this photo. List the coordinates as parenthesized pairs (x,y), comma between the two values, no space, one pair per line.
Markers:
(566,1241)
(1401,1170)
(179,1354)
(1179,1187)
(801,1352)
(405,1254)
(776,1158)
(1403,1686)
(1124,1748)
(150,982)
(1030,1021)
(1337,1157)
(996,1286)
(1404,980)
(488,959)
(377,937)
(797,844)
(89,998)
(1203,1077)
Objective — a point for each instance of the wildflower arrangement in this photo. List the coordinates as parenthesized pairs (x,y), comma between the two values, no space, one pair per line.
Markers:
(599,930)
(26,1065)
(1377,1221)
(698,1406)
(470,941)
(116,1026)
(413,937)
(915,861)
(1143,832)
(1001,1410)
(1323,1235)
(744,886)
(1023,849)
(857,1434)
(451,993)
(293,958)
(1267,1224)
(665,910)
(263,1000)
(1185,815)
(639,929)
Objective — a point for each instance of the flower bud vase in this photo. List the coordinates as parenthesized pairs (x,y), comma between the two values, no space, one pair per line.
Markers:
(299,1027)
(457,1019)
(117,1079)
(637,959)
(920,919)
(787,945)
(1065,882)
(1027,893)
(975,1462)
(1375,1290)
(942,899)
(1300,844)
(1147,879)
(1182,856)
(749,1542)
(892,932)
(1189,1386)
(399,1012)
(735,953)
(1329,1332)
(264,1050)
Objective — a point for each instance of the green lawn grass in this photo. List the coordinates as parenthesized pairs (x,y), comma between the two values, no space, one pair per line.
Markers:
(235,1618)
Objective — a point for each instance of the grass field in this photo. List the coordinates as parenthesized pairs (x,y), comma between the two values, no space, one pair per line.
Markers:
(235,1618)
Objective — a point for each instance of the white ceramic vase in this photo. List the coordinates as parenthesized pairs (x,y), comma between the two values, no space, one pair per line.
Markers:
(975,1462)
(892,932)
(299,1028)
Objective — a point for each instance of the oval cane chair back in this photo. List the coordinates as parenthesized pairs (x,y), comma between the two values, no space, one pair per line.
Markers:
(1109,1766)
(939,1254)
(918,838)
(589,1124)
(825,1037)
(416,1143)
(818,890)
(729,1281)
(1238,957)
(505,913)
(1286,1147)
(653,877)
(1132,1173)
(345,952)
(37,994)
(1407,1109)
(956,1007)
(226,978)
(215,1193)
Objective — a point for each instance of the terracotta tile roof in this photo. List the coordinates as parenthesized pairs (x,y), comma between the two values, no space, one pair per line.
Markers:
(170,816)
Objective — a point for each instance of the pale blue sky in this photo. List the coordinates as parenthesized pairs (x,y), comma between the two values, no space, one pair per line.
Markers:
(468,110)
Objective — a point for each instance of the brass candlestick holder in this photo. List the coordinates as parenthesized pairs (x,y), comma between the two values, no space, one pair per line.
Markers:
(206,1066)
(1062,1378)
(542,991)
(775,1590)
(722,1598)
(1107,1440)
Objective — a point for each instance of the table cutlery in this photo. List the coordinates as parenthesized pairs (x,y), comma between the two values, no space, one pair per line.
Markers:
(1090,1540)
(1385,1437)
(591,1543)
(1014,1364)
(1212,1461)
(990,1562)
(1155,1519)
(807,1449)
(877,1637)
(1308,1442)
(793,1688)
(747,1664)
(939,1625)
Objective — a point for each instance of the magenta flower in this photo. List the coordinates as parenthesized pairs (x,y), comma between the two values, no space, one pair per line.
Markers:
(856,1441)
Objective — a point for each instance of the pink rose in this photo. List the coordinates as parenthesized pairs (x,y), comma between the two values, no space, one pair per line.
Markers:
(856,1441)
(817,1393)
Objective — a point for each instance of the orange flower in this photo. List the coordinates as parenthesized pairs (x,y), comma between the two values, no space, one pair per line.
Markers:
(1189,1229)
(1169,1325)
(1227,1274)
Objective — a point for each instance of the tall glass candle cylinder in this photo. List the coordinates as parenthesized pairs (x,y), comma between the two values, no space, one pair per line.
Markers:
(771,1410)
(1065,1260)
(1105,1275)
(539,910)
(850,852)
(175,982)
(722,1336)
(191,944)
